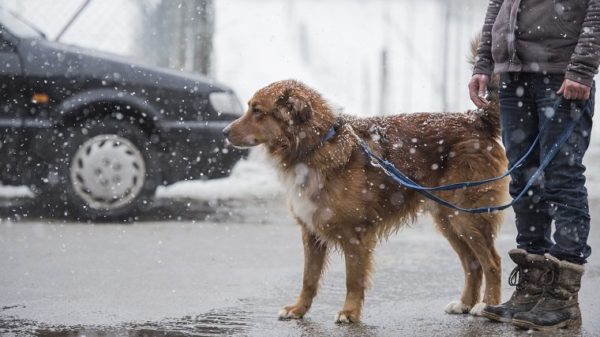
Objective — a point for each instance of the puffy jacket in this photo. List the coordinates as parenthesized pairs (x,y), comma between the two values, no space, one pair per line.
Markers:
(551,36)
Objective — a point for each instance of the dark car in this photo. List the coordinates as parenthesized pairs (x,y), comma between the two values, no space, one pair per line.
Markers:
(95,134)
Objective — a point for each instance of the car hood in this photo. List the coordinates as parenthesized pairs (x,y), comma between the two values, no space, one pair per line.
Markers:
(48,59)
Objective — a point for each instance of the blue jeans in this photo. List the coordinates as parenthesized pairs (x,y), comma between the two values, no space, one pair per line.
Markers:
(559,195)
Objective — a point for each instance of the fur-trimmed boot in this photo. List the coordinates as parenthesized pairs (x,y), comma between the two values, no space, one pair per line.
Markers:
(525,277)
(559,306)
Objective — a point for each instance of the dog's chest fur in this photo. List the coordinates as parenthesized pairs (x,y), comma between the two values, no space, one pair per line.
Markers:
(304,186)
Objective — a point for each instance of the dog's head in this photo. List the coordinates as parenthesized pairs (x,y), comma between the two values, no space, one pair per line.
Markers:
(284,115)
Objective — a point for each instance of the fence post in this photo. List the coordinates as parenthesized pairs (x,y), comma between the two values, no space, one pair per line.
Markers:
(179,34)
(446,53)
(203,19)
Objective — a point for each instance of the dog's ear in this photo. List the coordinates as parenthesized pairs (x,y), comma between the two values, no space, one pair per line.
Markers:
(296,105)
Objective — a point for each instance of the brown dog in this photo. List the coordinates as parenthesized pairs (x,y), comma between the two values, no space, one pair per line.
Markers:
(341,200)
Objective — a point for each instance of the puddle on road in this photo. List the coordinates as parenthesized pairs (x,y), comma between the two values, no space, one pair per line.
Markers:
(214,323)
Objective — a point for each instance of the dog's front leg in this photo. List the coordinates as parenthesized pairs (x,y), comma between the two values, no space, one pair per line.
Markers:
(315,254)
(358,253)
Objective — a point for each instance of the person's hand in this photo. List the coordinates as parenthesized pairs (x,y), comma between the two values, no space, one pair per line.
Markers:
(477,90)
(572,90)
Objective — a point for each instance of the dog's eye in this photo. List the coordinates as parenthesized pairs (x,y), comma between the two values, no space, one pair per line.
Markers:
(256,111)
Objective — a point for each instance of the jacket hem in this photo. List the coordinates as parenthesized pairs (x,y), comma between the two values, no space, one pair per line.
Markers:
(534,67)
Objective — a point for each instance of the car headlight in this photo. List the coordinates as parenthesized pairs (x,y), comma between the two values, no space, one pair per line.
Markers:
(225,102)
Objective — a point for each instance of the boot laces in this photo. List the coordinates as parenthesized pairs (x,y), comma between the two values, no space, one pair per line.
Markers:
(516,277)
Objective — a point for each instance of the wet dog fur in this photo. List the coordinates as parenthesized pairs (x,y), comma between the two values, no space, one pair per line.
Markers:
(343,202)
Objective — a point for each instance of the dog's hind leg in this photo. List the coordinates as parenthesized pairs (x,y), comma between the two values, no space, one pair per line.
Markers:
(470,264)
(358,253)
(315,256)
(478,231)
(491,263)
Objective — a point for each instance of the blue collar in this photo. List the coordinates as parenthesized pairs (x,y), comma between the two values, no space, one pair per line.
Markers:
(339,122)
(330,134)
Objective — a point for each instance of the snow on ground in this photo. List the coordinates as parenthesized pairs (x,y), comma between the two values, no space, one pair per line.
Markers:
(253,177)
(14,191)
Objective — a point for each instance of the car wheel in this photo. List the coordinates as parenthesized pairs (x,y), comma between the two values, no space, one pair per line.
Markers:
(107,171)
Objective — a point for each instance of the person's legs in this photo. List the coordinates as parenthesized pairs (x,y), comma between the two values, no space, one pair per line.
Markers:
(565,193)
(520,127)
(563,184)
(520,124)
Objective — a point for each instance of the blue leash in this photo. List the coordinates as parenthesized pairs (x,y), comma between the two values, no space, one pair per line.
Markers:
(405,181)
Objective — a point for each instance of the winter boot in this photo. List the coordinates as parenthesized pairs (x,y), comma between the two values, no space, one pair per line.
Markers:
(525,277)
(559,306)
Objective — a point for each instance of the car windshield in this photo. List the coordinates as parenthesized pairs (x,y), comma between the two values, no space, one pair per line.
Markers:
(18,26)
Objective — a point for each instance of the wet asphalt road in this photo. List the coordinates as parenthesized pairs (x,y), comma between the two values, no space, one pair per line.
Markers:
(202,269)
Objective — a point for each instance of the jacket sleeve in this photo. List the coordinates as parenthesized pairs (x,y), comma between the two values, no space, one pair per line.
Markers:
(484,64)
(586,58)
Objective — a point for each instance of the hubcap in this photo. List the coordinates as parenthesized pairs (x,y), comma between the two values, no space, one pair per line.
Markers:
(107,172)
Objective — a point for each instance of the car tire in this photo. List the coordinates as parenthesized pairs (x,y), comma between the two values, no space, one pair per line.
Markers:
(107,171)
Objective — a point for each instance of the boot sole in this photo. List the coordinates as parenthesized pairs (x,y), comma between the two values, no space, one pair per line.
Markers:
(496,318)
(525,325)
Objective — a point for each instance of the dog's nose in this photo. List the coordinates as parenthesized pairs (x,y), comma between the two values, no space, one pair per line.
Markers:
(227,130)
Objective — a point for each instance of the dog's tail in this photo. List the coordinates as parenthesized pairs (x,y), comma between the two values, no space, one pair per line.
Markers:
(490,116)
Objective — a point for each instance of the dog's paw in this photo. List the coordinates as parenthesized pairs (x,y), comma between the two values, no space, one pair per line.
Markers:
(347,316)
(457,307)
(477,309)
(291,312)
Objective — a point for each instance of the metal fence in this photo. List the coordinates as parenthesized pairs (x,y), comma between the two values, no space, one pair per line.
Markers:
(175,34)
